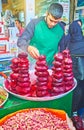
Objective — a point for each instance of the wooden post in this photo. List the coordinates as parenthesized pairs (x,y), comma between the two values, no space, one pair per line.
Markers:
(72,9)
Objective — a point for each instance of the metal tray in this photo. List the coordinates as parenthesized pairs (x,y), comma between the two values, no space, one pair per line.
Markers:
(32,78)
(41,98)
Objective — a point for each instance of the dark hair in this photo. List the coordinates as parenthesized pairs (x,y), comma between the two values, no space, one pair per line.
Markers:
(19,21)
(56,10)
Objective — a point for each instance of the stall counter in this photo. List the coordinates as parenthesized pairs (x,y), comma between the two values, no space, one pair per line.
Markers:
(13,104)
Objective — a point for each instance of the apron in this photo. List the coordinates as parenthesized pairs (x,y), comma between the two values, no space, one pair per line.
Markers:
(46,40)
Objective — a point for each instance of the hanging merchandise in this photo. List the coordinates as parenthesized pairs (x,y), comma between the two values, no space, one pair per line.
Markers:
(8,19)
(1,28)
(21,16)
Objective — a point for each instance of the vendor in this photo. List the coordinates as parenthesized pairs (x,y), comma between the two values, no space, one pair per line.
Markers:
(42,36)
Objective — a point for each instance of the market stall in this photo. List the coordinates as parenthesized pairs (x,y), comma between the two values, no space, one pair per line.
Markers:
(29,96)
(16,100)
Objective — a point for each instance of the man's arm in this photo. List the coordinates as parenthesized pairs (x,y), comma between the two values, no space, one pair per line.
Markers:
(24,39)
(62,44)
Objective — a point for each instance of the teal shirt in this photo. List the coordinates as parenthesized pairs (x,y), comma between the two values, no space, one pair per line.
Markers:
(46,40)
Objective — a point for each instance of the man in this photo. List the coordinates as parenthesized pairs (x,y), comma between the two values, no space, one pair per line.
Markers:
(18,24)
(42,36)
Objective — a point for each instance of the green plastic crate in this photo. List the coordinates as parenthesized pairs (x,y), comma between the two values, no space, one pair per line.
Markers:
(13,104)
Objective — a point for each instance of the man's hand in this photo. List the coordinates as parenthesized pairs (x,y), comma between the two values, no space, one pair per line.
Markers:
(33,52)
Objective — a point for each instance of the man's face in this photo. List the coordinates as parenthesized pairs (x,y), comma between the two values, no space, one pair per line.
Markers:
(16,23)
(51,21)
